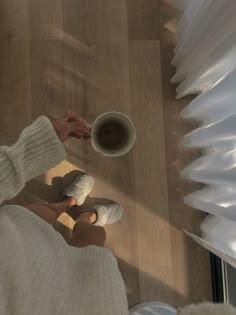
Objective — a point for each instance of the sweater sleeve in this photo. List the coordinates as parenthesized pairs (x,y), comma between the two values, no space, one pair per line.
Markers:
(37,150)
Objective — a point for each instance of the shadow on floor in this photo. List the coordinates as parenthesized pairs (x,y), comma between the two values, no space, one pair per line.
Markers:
(54,192)
(158,291)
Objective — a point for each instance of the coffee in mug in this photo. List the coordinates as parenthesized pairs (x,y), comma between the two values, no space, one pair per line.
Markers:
(113,134)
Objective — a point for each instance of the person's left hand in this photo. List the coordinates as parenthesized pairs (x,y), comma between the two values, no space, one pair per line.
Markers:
(71,125)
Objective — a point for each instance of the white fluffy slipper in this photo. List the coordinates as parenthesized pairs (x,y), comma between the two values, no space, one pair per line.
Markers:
(106,214)
(80,188)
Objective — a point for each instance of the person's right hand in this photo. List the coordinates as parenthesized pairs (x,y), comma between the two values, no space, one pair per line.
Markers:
(71,125)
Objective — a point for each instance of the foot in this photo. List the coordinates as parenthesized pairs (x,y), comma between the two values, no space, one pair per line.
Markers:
(80,188)
(89,217)
(107,214)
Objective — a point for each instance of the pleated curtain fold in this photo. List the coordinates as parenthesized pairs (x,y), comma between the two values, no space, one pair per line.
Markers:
(205,62)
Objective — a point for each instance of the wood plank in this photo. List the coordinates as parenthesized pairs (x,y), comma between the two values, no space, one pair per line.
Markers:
(77,20)
(14,19)
(15,94)
(153,230)
(191,262)
(45,19)
(143,19)
(104,28)
(47,77)
(77,59)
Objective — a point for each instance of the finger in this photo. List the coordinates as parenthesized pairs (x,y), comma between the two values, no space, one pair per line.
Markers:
(78,129)
(77,135)
(70,116)
(78,126)
(85,124)
(74,117)
(87,137)
(66,116)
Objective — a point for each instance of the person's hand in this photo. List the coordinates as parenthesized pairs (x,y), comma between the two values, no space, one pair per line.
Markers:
(71,125)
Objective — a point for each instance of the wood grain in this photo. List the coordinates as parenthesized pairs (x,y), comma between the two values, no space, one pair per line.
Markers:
(14,19)
(143,19)
(45,19)
(47,77)
(149,163)
(78,20)
(15,93)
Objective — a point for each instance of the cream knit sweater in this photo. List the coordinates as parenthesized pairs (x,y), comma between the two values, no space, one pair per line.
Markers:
(39,272)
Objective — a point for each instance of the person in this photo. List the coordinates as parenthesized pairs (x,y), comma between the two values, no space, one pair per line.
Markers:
(40,273)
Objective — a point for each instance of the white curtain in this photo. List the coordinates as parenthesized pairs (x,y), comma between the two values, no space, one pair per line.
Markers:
(205,61)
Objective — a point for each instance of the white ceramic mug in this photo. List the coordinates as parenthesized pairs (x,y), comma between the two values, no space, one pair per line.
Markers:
(113,134)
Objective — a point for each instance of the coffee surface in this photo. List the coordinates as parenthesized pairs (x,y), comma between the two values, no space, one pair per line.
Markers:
(112,135)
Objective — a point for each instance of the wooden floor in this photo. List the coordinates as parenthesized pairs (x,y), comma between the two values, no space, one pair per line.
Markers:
(95,56)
